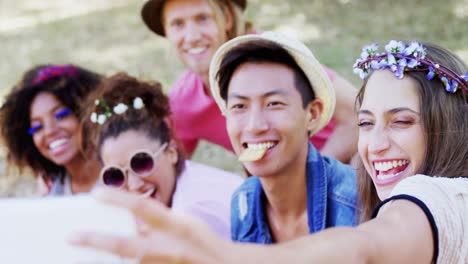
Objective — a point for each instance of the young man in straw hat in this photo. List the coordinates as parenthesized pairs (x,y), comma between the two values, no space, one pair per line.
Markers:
(195,29)
(275,94)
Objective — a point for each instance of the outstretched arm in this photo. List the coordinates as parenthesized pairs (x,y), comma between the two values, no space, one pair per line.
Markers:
(166,237)
(401,234)
(342,143)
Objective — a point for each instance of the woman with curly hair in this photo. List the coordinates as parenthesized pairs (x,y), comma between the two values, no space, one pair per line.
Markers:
(39,124)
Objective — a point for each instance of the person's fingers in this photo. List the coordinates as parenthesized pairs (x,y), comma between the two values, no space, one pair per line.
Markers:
(129,247)
(155,215)
(151,212)
(155,248)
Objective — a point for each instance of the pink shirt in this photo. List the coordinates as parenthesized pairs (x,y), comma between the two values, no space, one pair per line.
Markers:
(205,193)
(196,115)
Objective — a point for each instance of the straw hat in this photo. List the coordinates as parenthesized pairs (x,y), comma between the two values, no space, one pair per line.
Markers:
(317,76)
(151,13)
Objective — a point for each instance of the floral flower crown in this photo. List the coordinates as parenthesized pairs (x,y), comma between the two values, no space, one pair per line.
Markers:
(119,109)
(399,58)
(53,71)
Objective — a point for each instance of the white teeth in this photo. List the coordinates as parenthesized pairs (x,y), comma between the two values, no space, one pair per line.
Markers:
(57,143)
(260,146)
(148,193)
(196,50)
(386,176)
(387,165)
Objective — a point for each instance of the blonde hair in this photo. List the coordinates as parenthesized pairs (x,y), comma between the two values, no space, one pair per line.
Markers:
(239,24)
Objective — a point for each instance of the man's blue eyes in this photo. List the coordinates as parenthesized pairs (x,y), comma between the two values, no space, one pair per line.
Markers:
(59,115)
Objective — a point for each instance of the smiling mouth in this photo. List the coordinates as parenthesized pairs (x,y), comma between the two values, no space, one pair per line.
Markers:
(254,152)
(150,193)
(57,143)
(390,169)
(196,51)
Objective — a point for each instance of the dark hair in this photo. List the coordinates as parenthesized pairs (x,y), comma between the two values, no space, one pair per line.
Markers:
(70,89)
(445,122)
(262,51)
(153,119)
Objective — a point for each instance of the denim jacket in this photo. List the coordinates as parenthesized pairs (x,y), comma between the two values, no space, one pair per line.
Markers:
(331,200)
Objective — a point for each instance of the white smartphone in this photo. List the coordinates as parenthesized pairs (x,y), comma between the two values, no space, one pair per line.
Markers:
(36,230)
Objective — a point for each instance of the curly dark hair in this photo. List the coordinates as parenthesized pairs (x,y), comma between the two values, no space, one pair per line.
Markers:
(70,89)
(153,119)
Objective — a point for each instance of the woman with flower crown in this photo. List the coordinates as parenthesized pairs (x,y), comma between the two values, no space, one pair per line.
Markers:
(413,123)
(39,125)
(127,125)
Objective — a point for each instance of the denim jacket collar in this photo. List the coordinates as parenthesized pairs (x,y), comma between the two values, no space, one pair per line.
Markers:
(316,180)
(260,214)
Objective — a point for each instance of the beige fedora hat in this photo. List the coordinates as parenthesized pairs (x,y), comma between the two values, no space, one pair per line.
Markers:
(151,13)
(312,68)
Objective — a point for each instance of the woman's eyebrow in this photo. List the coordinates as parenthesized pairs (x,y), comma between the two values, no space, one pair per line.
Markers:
(402,109)
(391,111)
(364,112)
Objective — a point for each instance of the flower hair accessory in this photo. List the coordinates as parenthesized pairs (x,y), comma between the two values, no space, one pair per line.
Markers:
(119,109)
(399,57)
(53,71)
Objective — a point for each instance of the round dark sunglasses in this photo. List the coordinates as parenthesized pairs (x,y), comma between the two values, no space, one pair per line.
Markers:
(142,163)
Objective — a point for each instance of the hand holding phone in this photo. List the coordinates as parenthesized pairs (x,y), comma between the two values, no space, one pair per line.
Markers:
(36,230)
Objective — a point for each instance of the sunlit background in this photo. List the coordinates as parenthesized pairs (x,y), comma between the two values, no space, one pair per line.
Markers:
(108,36)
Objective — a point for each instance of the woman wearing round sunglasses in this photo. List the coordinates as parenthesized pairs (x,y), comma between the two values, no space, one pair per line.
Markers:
(129,129)
(141,163)
(39,124)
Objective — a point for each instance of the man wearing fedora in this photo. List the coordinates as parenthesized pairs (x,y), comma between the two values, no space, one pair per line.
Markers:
(275,94)
(196,29)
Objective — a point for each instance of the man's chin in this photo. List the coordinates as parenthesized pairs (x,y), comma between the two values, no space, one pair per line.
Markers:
(198,67)
(261,171)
